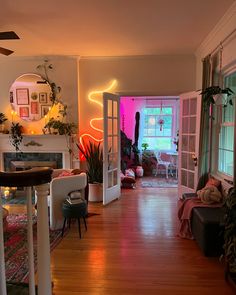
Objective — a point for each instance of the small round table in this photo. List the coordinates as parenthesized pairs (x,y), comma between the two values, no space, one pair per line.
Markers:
(5,213)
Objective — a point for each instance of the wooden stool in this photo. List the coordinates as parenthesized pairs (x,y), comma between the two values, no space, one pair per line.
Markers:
(77,211)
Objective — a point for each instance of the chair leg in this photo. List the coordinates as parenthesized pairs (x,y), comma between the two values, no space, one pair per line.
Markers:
(166,171)
(69,222)
(79,228)
(85,224)
(64,224)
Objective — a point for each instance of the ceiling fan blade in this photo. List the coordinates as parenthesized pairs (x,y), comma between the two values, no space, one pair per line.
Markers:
(5,51)
(8,35)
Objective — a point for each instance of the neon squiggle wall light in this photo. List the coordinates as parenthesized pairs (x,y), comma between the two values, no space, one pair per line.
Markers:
(93,98)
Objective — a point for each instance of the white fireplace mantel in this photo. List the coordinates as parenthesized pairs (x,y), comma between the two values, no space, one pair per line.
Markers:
(45,143)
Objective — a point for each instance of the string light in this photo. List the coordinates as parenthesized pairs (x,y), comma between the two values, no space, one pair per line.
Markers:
(93,98)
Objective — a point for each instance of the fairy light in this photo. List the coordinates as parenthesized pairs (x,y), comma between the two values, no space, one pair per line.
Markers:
(92,96)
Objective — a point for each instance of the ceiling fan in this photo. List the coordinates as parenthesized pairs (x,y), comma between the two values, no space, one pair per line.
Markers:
(7,36)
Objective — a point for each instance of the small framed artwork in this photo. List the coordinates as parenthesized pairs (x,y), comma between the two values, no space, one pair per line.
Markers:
(43,97)
(24,112)
(22,96)
(44,110)
(34,107)
(11,97)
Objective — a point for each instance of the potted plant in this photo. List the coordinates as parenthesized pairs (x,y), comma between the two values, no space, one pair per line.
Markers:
(230,235)
(16,135)
(211,95)
(3,118)
(60,127)
(93,154)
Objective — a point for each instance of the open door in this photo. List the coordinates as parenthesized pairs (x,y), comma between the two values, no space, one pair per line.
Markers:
(111,147)
(189,129)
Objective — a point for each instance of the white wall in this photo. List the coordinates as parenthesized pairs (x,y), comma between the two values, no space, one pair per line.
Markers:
(150,75)
(64,74)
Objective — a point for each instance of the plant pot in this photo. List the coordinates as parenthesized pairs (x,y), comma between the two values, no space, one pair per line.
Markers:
(220,99)
(95,192)
(139,171)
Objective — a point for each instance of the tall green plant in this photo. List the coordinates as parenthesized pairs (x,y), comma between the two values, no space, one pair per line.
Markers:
(230,231)
(94,156)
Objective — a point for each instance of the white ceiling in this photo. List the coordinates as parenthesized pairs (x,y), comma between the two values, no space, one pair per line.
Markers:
(108,27)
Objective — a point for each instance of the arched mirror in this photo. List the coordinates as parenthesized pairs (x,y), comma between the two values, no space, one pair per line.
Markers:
(30,97)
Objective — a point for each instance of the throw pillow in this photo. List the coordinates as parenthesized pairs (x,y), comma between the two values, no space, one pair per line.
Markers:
(65,173)
(76,171)
(213,182)
(209,195)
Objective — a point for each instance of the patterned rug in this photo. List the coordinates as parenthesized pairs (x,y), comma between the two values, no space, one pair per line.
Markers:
(15,244)
(170,182)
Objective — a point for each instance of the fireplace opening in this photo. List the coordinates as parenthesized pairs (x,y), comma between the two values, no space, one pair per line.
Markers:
(23,161)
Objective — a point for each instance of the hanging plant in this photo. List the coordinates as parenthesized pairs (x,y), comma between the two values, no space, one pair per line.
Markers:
(210,93)
(16,135)
(161,123)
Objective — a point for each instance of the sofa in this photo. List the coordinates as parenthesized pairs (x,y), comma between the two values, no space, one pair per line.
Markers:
(207,222)
(60,187)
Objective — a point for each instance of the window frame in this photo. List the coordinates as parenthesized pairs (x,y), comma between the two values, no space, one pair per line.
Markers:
(173,125)
(218,114)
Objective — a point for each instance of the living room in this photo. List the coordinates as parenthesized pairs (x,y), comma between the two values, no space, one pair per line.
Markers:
(81,68)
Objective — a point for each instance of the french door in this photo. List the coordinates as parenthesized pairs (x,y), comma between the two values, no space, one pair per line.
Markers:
(189,129)
(111,147)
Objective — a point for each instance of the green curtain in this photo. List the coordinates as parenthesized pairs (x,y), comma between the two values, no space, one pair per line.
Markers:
(204,148)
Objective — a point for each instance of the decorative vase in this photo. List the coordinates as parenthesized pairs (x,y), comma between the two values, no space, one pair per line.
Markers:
(95,192)
(139,171)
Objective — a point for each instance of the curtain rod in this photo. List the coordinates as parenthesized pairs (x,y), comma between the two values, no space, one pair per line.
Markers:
(222,42)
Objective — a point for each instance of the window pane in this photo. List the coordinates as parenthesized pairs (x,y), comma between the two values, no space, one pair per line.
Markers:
(225,163)
(155,143)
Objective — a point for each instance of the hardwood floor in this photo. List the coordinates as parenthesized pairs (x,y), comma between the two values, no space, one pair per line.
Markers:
(131,247)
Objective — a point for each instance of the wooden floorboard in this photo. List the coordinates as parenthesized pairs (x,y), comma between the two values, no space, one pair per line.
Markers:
(132,247)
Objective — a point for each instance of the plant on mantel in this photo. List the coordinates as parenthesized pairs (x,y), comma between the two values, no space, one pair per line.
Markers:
(3,118)
(16,135)
(60,127)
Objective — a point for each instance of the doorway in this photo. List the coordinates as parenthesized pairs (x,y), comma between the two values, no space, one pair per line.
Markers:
(150,140)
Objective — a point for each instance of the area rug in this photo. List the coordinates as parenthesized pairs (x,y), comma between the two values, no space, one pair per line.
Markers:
(170,182)
(15,245)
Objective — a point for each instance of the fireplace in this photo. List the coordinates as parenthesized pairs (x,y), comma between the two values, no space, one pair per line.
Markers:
(51,150)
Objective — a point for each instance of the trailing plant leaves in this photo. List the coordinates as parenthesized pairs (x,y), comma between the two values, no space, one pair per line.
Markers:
(16,135)
(230,230)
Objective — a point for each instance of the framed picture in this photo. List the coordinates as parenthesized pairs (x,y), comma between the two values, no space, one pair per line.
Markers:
(24,112)
(22,96)
(44,110)
(34,107)
(43,97)
(11,97)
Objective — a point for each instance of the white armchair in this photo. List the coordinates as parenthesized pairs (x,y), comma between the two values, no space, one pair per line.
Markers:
(59,189)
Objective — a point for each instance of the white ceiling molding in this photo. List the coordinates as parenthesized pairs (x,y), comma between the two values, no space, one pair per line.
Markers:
(222,29)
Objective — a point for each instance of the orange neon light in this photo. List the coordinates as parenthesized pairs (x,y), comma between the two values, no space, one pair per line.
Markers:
(93,98)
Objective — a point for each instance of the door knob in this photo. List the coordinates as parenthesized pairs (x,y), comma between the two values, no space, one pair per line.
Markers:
(194,157)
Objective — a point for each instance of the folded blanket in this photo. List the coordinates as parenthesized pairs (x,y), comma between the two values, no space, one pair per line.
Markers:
(185,208)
